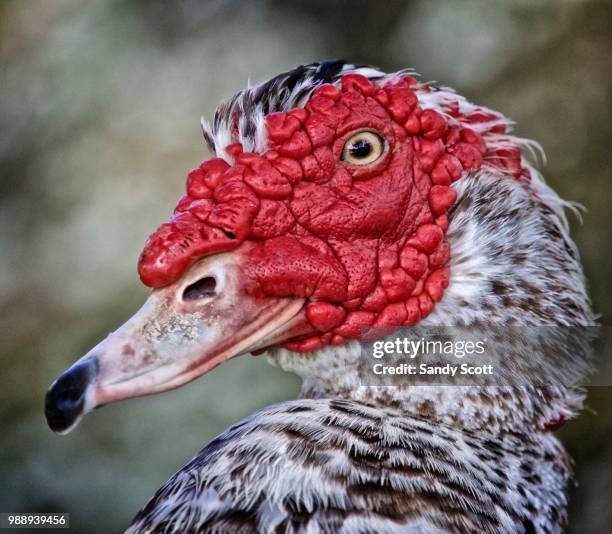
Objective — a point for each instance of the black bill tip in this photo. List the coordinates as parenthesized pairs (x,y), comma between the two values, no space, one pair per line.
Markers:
(65,399)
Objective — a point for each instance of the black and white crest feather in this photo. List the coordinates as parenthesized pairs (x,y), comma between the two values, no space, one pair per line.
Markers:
(241,117)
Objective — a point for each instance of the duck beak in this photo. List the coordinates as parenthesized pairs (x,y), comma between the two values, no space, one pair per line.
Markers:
(182,331)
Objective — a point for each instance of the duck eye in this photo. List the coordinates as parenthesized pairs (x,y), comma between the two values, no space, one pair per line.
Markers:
(363,148)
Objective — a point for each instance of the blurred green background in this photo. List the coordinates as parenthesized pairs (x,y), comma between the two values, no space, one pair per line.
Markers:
(99,123)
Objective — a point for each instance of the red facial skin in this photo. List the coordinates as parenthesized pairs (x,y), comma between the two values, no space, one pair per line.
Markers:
(365,244)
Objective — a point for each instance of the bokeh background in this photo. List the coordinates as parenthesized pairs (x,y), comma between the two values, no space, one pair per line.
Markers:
(99,122)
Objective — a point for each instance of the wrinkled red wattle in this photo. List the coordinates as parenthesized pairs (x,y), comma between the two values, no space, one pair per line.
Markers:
(366,245)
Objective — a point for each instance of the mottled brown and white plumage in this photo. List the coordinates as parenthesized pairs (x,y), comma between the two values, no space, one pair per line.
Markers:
(335,465)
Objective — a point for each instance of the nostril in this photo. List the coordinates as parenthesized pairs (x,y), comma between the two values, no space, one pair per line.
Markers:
(203,288)
(229,234)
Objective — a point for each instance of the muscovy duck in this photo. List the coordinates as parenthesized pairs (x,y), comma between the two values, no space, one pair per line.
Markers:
(342,199)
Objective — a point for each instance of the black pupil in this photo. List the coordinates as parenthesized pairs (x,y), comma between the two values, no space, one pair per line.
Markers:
(360,148)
